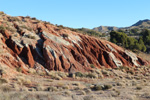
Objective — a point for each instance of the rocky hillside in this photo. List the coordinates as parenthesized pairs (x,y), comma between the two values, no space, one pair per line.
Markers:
(30,43)
(141,24)
(105,29)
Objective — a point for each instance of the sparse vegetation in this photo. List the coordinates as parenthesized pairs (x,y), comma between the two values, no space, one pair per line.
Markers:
(140,44)
(92,66)
(1,12)
(15,19)
(139,88)
(91,75)
(19,69)
(2,81)
(5,88)
(106,87)
(30,36)
(96,82)
(2,28)
(79,74)
(65,35)
(101,87)
(25,27)
(83,31)
(97,88)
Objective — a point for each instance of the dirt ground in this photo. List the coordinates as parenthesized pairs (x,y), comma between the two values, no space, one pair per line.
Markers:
(114,85)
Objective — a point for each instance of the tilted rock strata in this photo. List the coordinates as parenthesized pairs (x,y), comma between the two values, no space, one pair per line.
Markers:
(37,44)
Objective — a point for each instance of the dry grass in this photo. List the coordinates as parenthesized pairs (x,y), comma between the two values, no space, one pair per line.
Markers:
(37,85)
(144,56)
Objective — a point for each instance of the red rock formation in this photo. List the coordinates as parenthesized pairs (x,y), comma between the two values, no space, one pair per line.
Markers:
(26,53)
(45,44)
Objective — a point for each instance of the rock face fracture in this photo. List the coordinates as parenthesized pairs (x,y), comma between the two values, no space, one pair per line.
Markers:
(27,42)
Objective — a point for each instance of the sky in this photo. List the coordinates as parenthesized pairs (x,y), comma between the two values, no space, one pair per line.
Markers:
(80,13)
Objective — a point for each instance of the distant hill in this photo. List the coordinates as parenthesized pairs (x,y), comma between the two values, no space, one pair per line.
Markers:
(104,29)
(141,24)
(145,23)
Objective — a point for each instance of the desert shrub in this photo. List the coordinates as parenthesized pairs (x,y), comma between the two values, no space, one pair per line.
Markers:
(22,80)
(130,71)
(19,69)
(33,18)
(28,17)
(105,72)
(2,28)
(106,87)
(52,89)
(61,74)
(82,92)
(2,81)
(92,66)
(1,12)
(91,75)
(65,35)
(65,87)
(30,36)
(76,84)
(15,19)
(32,71)
(79,74)
(40,72)
(67,93)
(5,88)
(139,88)
(10,29)
(27,81)
(39,88)
(123,67)
(45,22)
(56,77)
(72,75)
(115,93)
(101,87)
(97,88)
(25,27)
(120,84)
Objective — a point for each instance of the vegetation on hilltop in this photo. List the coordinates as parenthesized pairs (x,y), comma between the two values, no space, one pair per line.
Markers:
(83,31)
(140,44)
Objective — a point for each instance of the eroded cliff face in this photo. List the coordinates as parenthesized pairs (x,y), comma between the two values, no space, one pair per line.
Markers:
(26,42)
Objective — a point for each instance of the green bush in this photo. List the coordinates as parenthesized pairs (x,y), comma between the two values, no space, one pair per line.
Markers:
(92,66)
(79,74)
(146,36)
(122,39)
(91,75)
(19,69)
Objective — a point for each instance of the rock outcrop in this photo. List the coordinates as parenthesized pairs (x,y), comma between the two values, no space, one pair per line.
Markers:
(26,42)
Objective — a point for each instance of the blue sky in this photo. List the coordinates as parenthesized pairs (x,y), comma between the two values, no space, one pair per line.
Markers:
(80,13)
